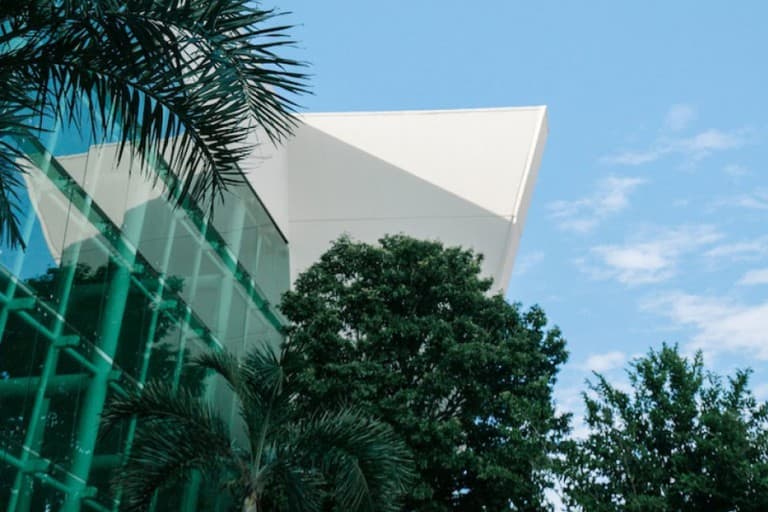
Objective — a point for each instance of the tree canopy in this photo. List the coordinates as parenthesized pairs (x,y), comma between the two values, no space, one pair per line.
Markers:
(407,331)
(681,438)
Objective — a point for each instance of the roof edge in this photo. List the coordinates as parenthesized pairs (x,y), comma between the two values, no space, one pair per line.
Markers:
(420,112)
(525,190)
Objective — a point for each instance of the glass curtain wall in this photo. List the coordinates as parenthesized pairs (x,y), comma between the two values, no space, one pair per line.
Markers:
(116,287)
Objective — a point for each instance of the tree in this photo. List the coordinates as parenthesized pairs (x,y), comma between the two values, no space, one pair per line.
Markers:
(682,439)
(199,73)
(408,331)
(281,462)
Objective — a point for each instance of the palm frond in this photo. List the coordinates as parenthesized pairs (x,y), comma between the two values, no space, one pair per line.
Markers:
(177,433)
(192,72)
(185,80)
(17,112)
(252,403)
(296,487)
(223,363)
(263,371)
(367,464)
(11,171)
(159,403)
(162,456)
(343,458)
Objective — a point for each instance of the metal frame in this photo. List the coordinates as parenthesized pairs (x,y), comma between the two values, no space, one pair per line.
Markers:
(99,372)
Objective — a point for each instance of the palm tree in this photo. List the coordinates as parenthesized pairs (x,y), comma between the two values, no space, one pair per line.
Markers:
(199,73)
(283,462)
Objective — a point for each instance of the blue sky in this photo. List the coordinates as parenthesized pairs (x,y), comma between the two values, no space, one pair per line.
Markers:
(649,222)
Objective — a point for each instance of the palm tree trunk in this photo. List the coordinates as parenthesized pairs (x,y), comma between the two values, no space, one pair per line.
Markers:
(251,503)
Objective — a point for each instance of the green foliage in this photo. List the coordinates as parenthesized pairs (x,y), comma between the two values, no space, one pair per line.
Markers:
(284,461)
(408,331)
(195,72)
(682,439)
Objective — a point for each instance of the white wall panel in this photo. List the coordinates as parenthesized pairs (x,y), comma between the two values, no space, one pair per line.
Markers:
(464,177)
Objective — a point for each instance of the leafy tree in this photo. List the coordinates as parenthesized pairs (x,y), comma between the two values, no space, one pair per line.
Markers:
(281,462)
(198,72)
(681,439)
(407,329)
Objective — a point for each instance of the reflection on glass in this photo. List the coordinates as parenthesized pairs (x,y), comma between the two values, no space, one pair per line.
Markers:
(116,287)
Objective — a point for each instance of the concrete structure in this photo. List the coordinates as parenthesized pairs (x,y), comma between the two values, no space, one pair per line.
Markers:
(117,286)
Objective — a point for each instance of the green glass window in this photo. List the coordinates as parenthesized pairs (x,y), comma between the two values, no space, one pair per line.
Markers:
(116,286)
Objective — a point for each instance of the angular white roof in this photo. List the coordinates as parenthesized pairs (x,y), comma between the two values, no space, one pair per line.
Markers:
(464,177)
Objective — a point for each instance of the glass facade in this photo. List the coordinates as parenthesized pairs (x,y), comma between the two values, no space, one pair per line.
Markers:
(116,286)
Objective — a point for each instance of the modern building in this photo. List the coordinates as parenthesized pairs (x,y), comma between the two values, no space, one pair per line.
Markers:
(116,286)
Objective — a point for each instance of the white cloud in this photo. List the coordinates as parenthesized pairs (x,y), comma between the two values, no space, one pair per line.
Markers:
(582,215)
(604,362)
(569,400)
(636,263)
(527,261)
(690,148)
(735,170)
(679,117)
(720,325)
(708,141)
(754,277)
(635,157)
(761,392)
(749,250)
(755,201)
(652,258)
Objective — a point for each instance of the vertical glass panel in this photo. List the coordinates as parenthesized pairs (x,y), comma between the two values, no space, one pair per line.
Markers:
(44,497)
(231,320)
(259,331)
(109,449)
(7,476)
(165,349)
(191,377)
(67,390)
(263,252)
(50,209)
(22,352)
(133,333)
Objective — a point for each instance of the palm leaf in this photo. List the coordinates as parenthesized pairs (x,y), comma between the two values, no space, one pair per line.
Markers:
(159,403)
(11,170)
(177,433)
(163,456)
(366,463)
(341,458)
(183,79)
(293,485)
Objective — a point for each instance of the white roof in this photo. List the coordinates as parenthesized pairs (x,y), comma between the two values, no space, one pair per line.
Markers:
(464,177)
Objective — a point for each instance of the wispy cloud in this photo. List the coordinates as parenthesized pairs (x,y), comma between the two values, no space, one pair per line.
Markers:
(746,250)
(669,142)
(582,215)
(527,262)
(757,200)
(760,391)
(691,149)
(754,277)
(604,362)
(720,325)
(651,258)
(679,117)
(735,170)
